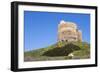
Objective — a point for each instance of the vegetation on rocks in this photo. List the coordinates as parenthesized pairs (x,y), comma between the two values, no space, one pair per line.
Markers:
(60,51)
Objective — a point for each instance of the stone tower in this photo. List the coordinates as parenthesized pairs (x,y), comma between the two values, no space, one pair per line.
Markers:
(67,31)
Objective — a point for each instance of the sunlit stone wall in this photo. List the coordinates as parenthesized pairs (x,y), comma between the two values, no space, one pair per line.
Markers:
(68,31)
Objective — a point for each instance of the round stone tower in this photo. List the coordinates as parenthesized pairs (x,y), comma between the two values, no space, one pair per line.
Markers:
(67,31)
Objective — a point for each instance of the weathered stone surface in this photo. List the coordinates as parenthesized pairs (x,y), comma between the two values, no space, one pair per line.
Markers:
(68,31)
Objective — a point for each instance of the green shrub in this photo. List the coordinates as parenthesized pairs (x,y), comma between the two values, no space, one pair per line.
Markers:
(62,51)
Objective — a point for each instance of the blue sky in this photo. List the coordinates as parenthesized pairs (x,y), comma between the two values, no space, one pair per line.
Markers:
(40,28)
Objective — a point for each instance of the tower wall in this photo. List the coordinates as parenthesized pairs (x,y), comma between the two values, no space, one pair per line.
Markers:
(67,31)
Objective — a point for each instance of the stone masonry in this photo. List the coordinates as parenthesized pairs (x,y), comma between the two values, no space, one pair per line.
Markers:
(68,31)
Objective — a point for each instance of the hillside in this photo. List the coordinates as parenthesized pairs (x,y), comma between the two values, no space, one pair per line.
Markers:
(60,51)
